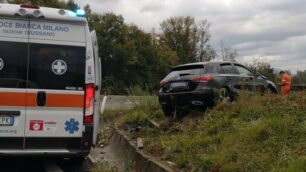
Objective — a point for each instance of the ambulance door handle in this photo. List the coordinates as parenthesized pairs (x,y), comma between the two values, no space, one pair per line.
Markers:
(41,98)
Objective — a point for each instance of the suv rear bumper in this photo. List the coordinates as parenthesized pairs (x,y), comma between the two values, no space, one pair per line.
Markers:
(205,97)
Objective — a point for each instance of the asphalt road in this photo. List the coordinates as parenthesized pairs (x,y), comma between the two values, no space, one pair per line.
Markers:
(27,164)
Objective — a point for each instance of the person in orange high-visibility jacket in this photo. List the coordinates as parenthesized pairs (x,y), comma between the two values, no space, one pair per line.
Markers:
(286,83)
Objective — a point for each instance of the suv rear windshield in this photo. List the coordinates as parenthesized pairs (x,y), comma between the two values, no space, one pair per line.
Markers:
(185,71)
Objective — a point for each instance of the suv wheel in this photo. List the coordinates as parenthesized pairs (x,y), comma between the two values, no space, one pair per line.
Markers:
(270,90)
(168,111)
(224,95)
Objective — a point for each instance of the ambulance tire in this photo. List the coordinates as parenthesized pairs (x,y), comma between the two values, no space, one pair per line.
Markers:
(77,160)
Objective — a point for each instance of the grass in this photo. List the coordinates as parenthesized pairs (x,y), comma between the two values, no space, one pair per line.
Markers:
(103,167)
(258,133)
(146,108)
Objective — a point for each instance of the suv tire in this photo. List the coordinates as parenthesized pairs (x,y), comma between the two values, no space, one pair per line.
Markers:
(168,111)
(224,95)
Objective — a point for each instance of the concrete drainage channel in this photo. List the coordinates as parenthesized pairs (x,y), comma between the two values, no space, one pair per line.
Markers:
(121,151)
(124,154)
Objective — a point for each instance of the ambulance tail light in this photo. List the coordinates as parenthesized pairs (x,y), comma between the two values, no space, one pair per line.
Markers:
(89,103)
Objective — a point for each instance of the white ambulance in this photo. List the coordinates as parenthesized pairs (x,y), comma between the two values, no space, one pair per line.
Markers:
(49,82)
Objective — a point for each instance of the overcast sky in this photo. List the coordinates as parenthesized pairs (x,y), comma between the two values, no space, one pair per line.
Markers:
(268,30)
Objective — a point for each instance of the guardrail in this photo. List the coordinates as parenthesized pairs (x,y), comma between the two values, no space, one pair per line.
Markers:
(300,87)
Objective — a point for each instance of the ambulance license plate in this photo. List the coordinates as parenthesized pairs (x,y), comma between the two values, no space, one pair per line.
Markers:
(6,120)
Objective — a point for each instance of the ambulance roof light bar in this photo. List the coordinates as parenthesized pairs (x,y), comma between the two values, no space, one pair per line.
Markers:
(80,13)
(72,14)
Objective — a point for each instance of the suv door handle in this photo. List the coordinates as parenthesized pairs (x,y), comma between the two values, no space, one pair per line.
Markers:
(41,98)
(228,79)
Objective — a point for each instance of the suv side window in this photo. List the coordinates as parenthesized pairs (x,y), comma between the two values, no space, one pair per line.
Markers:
(244,71)
(227,68)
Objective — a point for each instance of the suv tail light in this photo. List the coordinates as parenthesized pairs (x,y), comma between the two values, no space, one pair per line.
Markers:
(204,78)
(163,82)
(89,103)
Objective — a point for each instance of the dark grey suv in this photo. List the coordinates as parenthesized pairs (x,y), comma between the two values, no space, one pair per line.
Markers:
(200,84)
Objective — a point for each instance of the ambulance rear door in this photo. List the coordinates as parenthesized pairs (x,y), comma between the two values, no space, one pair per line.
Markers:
(13,82)
(57,60)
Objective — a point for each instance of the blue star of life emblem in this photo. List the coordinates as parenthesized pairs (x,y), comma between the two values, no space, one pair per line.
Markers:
(72,126)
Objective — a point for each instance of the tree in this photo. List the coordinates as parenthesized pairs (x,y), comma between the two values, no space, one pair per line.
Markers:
(129,56)
(87,9)
(167,59)
(187,38)
(205,50)
(299,77)
(264,69)
(111,32)
(71,5)
(180,34)
(227,53)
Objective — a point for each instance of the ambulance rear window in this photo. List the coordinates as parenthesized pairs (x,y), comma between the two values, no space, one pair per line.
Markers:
(57,67)
(13,64)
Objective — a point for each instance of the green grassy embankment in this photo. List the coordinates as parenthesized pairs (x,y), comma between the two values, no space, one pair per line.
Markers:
(103,167)
(259,133)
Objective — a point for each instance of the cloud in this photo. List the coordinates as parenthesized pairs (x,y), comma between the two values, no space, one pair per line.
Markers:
(261,28)
(152,7)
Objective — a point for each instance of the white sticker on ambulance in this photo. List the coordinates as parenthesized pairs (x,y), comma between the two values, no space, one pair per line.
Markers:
(59,67)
